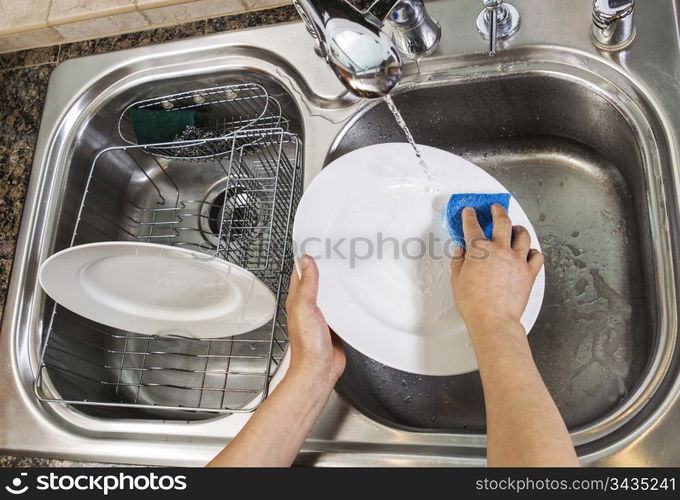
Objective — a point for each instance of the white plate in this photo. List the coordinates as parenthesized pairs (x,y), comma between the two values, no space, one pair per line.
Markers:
(157,289)
(395,308)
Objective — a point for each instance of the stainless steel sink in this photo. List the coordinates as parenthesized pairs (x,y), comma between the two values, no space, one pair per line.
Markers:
(584,139)
(573,161)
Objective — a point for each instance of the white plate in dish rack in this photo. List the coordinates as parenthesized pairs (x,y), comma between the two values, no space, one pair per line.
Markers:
(157,290)
(395,306)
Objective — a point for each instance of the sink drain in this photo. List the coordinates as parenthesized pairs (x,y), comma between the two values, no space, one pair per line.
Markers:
(230,215)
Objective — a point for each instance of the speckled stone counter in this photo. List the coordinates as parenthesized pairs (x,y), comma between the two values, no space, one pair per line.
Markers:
(23,84)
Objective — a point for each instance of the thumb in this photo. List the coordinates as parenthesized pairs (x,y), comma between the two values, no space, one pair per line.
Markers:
(309,281)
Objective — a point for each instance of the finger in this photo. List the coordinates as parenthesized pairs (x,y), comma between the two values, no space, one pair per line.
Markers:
(457,261)
(471,229)
(535,261)
(521,240)
(502,225)
(307,285)
(295,276)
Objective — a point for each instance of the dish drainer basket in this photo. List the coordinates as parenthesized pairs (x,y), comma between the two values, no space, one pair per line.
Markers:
(238,206)
(216,113)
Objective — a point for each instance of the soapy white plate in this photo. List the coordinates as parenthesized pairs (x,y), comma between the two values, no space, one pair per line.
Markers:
(367,219)
(157,289)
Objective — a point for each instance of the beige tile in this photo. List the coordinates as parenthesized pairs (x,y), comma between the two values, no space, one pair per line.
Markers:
(264,4)
(63,11)
(22,15)
(150,4)
(198,9)
(28,40)
(95,28)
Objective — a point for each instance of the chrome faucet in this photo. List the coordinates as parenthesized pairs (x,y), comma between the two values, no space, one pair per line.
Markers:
(497,21)
(613,23)
(364,56)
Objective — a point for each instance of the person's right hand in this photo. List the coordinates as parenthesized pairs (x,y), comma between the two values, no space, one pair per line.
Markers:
(492,279)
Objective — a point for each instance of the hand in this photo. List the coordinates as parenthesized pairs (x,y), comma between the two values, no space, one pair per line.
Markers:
(492,280)
(315,351)
(277,430)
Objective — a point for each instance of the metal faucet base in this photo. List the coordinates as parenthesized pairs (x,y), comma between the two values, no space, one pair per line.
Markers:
(498,23)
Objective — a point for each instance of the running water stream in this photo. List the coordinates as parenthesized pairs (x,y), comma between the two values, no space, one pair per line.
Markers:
(400,121)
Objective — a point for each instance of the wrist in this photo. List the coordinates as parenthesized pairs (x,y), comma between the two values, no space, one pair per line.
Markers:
(310,378)
(493,331)
(495,324)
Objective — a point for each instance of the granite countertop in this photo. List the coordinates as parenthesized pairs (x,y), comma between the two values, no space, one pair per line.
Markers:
(23,84)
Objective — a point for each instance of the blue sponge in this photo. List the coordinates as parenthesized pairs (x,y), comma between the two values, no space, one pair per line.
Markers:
(481,202)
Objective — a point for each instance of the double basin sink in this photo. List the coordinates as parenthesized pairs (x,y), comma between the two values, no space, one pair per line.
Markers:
(583,139)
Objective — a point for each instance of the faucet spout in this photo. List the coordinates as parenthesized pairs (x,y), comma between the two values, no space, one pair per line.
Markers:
(362,55)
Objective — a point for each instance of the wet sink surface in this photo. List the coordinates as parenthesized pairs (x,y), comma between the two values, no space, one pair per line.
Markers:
(574,166)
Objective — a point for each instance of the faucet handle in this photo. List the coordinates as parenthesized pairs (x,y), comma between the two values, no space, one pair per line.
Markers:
(380,9)
(413,30)
(492,7)
(613,23)
(497,21)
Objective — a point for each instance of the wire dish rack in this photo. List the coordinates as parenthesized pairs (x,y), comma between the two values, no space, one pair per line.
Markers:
(217,113)
(237,205)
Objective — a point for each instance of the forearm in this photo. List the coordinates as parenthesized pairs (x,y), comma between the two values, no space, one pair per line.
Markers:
(524,426)
(278,428)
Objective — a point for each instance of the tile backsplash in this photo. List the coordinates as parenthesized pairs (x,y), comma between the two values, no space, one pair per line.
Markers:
(36,23)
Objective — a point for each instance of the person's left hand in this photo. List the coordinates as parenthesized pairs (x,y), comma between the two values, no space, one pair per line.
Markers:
(315,351)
